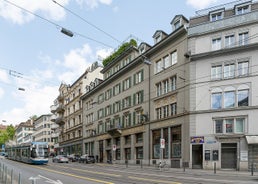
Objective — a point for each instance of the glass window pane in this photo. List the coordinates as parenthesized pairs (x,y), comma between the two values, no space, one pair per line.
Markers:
(219,126)
(242,97)
(229,99)
(240,125)
(216,100)
(229,125)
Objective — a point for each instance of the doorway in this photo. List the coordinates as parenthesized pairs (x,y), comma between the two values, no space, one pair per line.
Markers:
(197,156)
(228,155)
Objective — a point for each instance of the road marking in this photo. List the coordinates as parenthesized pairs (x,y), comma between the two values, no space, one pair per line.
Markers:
(158,181)
(76,176)
(93,172)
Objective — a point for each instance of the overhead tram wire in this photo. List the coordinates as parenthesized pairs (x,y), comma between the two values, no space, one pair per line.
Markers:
(91,24)
(57,25)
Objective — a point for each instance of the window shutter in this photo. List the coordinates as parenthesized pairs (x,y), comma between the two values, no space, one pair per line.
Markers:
(130,81)
(133,123)
(142,74)
(142,96)
(129,101)
(134,96)
(129,119)
(134,79)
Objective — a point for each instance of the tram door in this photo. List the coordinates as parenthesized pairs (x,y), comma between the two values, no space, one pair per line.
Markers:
(197,156)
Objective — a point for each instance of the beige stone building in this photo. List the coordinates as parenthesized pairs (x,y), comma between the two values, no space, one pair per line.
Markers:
(142,99)
(67,112)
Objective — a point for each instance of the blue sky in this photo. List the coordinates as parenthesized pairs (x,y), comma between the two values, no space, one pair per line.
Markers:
(34,55)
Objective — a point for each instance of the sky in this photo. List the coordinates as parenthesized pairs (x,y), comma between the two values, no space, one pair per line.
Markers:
(35,57)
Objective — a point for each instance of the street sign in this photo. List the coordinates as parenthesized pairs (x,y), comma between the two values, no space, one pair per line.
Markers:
(162,143)
(114,147)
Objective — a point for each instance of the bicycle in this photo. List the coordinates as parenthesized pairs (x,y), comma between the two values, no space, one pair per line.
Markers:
(162,166)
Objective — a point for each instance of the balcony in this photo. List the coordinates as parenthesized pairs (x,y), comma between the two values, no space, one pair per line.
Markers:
(53,117)
(54,126)
(60,120)
(59,108)
(114,130)
(54,135)
(60,97)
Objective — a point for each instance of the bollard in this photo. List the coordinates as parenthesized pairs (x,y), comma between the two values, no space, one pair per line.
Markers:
(141,163)
(19,180)
(126,163)
(184,166)
(12,176)
(252,168)
(214,167)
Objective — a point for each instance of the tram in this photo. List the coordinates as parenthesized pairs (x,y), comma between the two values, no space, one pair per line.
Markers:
(32,153)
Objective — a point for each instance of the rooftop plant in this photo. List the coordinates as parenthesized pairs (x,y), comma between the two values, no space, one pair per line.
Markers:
(121,49)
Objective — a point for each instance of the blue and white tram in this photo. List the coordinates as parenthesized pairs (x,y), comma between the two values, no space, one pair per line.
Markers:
(32,153)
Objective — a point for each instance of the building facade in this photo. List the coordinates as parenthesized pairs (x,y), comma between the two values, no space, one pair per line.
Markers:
(223,43)
(42,131)
(142,99)
(67,112)
(24,131)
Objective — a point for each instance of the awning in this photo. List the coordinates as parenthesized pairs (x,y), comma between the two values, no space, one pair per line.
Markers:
(252,139)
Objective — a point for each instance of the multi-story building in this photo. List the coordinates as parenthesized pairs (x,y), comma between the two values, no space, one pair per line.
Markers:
(223,42)
(42,130)
(142,99)
(67,110)
(24,131)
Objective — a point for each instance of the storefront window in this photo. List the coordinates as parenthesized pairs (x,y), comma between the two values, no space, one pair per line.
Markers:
(165,136)
(128,153)
(139,153)
(176,142)
(118,154)
(156,135)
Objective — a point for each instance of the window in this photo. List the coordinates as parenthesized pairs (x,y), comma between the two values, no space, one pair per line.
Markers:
(108,94)
(158,38)
(216,44)
(230,125)
(216,16)
(243,68)
(139,138)
(139,152)
(216,72)
(242,98)
(128,153)
(116,68)
(242,9)
(100,113)
(216,100)
(166,86)
(159,66)
(166,61)
(138,98)
(229,99)
(138,115)
(159,113)
(126,83)
(243,38)
(156,135)
(100,98)
(108,110)
(127,102)
(116,107)
(173,83)
(173,109)
(177,24)
(176,142)
(159,89)
(166,111)
(230,41)
(138,77)
(117,89)
(127,120)
(174,57)
(229,70)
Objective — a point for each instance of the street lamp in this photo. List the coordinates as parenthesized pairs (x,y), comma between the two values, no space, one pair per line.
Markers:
(67,32)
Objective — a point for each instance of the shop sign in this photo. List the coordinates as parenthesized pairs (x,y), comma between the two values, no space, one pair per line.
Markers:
(197,140)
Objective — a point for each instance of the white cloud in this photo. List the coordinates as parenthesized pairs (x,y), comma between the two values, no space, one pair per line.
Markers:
(15,12)
(200,4)
(1,93)
(93,3)
(4,76)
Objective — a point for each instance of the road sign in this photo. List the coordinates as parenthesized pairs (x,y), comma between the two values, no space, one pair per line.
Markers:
(114,147)
(162,143)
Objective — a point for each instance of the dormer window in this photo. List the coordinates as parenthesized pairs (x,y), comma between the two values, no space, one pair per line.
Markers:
(242,8)
(216,15)
(142,49)
(158,38)
(177,24)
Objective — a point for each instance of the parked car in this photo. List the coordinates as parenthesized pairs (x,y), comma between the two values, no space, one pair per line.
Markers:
(60,159)
(87,159)
(73,157)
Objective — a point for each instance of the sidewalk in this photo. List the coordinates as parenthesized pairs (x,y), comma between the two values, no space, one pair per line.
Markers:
(221,172)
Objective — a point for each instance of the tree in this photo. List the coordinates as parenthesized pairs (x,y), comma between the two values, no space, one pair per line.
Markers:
(10,130)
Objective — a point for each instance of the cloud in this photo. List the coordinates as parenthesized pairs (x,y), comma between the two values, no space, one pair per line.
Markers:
(4,76)
(93,3)
(200,4)
(15,11)
(1,93)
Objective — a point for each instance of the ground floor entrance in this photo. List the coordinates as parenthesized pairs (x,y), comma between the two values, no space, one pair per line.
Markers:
(197,156)
(228,155)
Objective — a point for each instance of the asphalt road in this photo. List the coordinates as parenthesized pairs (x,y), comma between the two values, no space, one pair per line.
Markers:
(78,173)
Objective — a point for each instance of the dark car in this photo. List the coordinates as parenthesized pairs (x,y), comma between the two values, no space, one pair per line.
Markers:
(60,159)
(87,159)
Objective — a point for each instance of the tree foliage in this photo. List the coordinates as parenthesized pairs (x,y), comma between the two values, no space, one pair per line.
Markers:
(117,53)
(7,134)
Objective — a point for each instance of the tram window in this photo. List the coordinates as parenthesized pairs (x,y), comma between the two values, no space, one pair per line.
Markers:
(33,153)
